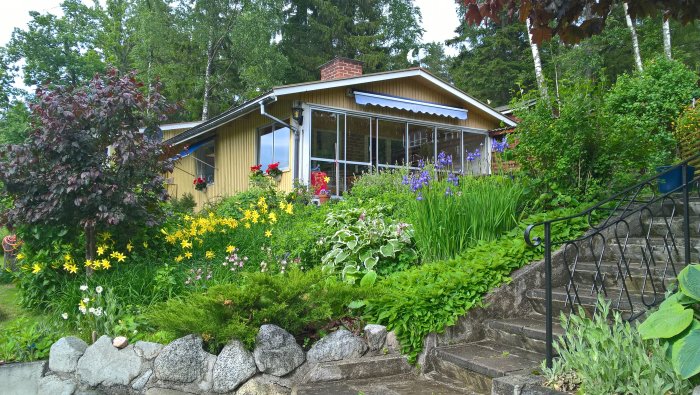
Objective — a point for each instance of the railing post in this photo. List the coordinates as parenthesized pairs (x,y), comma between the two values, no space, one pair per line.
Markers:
(686,213)
(548,290)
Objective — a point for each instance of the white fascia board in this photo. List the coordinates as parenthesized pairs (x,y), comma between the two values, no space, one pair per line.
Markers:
(181,125)
(468,99)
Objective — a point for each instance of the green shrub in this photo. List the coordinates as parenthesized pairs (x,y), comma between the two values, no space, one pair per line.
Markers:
(184,205)
(26,340)
(300,302)
(450,218)
(430,297)
(597,356)
(367,243)
(677,324)
(382,187)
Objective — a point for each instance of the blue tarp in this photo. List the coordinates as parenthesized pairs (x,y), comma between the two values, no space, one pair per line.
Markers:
(194,147)
(402,103)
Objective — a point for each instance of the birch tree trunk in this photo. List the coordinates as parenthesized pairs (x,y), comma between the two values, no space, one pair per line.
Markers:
(635,41)
(207,80)
(666,28)
(538,64)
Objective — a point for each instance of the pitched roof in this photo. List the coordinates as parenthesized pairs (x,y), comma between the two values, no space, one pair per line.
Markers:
(270,96)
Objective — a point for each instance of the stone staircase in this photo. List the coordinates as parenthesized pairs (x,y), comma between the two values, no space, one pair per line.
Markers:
(513,343)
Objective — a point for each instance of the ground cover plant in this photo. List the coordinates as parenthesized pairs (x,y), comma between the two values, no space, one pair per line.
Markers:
(607,355)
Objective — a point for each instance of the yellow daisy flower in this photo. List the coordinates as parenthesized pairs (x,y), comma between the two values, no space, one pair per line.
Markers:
(268,233)
(188,255)
(209,254)
(36,268)
(129,247)
(230,249)
(186,244)
(101,250)
(179,258)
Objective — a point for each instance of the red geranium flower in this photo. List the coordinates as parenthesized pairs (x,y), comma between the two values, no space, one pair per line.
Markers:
(255,168)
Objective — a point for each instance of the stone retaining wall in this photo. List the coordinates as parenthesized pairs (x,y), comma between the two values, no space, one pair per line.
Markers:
(112,366)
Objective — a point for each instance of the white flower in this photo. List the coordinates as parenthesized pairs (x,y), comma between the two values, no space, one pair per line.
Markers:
(84,287)
(86,300)
(65,316)
(97,312)
(98,289)
(91,310)
(82,309)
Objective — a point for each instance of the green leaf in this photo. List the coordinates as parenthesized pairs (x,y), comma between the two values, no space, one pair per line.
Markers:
(371,262)
(686,354)
(387,250)
(342,256)
(666,323)
(368,279)
(689,280)
(356,304)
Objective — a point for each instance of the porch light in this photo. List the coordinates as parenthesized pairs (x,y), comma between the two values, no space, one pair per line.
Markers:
(297,112)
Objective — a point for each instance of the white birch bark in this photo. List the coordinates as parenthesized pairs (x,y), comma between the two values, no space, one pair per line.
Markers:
(635,41)
(666,28)
(207,81)
(538,64)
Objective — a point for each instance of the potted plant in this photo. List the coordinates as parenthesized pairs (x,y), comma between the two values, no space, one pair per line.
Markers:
(273,170)
(200,184)
(324,195)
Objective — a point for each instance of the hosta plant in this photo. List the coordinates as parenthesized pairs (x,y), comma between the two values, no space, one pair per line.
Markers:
(366,244)
(677,323)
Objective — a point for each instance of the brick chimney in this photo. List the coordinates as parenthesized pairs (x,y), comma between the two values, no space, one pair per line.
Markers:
(341,68)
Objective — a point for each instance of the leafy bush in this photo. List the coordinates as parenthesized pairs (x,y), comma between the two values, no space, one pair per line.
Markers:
(687,131)
(451,213)
(300,302)
(366,244)
(382,187)
(430,297)
(597,357)
(184,205)
(26,340)
(677,323)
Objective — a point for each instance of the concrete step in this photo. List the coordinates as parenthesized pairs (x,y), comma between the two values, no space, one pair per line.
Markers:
(525,332)
(407,384)
(562,303)
(637,278)
(358,369)
(476,364)
(662,226)
(677,202)
(636,248)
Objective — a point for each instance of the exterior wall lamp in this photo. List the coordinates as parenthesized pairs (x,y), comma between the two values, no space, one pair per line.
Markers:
(297,113)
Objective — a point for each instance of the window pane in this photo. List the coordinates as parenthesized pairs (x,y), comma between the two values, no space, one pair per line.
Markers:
(331,171)
(392,143)
(449,143)
(266,155)
(323,134)
(475,161)
(281,150)
(357,149)
(205,162)
(421,144)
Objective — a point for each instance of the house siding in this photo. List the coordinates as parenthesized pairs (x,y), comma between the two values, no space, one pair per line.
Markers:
(236,142)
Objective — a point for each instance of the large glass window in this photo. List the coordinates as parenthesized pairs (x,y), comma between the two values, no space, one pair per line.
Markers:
(357,147)
(273,145)
(450,142)
(421,144)
(205,161)
(391,143)
(475,157)
(324,134)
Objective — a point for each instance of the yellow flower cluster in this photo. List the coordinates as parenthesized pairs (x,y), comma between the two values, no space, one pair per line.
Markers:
(193,232)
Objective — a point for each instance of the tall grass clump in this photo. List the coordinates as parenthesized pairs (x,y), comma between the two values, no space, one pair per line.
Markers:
(452,213)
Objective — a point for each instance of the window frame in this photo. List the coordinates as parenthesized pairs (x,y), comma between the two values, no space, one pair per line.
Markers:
(275,126)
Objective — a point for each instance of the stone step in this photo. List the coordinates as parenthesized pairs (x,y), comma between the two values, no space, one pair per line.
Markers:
(662,226)
(636,248)
(357,369)
(407,384)
(476,364)
(694,204)
(525,332)
(562,303)
(637,279)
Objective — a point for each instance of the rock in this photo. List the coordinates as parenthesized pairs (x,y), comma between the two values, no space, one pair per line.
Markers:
(54,385)
(142,380)
(106,365)
(120,342)
(233,366)
(392,343)
(375,335)
(147,350)
(341,344)
(165,391)
(696,391)
(181,361)
(276,351)
(65,353)
(260,385)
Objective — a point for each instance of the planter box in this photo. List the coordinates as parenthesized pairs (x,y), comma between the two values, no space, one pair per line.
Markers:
(673,179)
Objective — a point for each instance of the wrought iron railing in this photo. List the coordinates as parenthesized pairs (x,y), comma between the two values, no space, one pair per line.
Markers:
(639,240)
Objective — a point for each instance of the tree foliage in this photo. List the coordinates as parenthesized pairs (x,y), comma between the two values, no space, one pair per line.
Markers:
(86,164)
(574,20)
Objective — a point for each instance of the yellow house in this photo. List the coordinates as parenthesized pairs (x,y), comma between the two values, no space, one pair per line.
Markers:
(345,124)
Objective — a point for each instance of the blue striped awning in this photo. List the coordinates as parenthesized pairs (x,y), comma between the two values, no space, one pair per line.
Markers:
(402,103)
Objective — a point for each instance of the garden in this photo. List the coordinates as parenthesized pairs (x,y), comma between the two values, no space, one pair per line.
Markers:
(103,250)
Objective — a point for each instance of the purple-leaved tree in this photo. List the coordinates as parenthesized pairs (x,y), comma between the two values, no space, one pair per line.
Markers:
(86,165)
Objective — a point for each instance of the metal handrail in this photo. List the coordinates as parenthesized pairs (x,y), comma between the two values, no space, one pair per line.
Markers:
(620,209)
